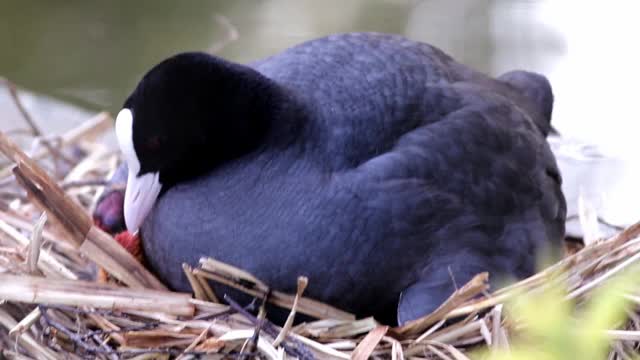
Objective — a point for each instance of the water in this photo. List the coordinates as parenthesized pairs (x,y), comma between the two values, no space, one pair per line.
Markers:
(92,53)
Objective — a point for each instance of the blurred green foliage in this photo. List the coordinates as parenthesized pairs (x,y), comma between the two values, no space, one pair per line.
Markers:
(553,328)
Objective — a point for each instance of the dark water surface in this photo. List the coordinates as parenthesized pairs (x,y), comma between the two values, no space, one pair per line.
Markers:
(92,52)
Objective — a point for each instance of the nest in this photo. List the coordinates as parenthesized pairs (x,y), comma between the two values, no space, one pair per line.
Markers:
(53,308)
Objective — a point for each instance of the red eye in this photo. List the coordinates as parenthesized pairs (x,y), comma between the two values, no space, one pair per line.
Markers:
(153,143)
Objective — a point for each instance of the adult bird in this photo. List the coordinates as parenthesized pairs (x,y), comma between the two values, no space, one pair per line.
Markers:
(377,166)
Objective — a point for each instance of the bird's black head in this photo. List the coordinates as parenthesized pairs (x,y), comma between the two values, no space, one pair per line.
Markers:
(187,115)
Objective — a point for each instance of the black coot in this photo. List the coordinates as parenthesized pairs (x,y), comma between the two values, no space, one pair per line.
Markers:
(379,167)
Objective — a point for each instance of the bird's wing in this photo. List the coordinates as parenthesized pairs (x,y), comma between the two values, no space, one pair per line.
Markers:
(478,189)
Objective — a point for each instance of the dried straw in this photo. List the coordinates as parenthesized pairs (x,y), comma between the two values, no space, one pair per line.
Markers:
(52,309)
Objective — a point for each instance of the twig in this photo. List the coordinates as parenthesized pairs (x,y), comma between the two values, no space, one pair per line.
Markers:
(300,350)
(36,241)
(594,283)
(301,286)
(48,263)
(474,287)
(146,326)
(231,34)
(82,183)
(19,132)
(230,311)
(79,340)
(90,240)
(23,111)
(30,289)
(106,347)
(27,341)
(35,131)
(54,150)
(198,291)
(253,341)
(241,280)
(25,323)
(369,343)
(88,130)
(193,345)
(262,318)
(211,296)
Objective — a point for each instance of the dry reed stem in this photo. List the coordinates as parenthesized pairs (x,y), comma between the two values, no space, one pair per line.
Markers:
(46,262)
(91,241)
(204,285)
(18,222)
(193,344)
(198,291)
(36,290)
(368,344)
(305,306)
(13,91)
(26,322)
(301,286)
(232,273)
(35,243)
(474,287)
(86,131)
(31,345)
(348,329)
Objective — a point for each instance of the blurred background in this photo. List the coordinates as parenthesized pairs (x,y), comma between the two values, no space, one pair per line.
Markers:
(75,57)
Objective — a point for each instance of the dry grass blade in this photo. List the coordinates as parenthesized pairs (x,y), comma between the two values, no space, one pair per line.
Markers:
(193,345)
(34,348)
(349,329)
(600,279)
(301,286)
(396,348)
(264,346)
(47,263)
(38,290)
(447,336)
(236,279)
(438,353)
(26,323)
(13,91)
(86,131)
(322,349)
(97,245)
(474,287)
(457,354)
(497,331)
(35,243)
(204,285)
(108,254)
(369,343)
(626,335)
(196,286)
(232,273)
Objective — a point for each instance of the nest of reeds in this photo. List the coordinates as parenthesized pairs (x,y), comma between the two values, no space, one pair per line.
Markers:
(52,307)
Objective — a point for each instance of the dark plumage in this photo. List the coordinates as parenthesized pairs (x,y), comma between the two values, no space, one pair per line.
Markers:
(379,167)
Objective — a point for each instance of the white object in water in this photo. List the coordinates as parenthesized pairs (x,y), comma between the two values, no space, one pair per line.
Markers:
(600,184)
